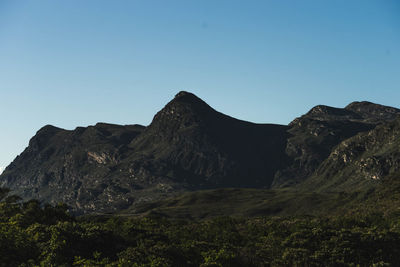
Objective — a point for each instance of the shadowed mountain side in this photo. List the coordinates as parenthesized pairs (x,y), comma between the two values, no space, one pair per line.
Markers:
(190,146)
(207,149)
(187,146)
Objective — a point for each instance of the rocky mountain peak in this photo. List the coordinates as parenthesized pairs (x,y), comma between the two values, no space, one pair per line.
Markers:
(43,136)
(184,110)
(362,105)
(187,95)
(189,100)
(373,112)
(327,112)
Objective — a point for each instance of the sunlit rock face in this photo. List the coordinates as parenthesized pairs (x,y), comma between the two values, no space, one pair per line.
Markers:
(366,158)
(315,134)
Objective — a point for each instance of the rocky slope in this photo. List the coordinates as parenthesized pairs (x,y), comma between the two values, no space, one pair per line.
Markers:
(190,146)
(187,146)
(315,134)
(363,160)
(203,148)
(71,166)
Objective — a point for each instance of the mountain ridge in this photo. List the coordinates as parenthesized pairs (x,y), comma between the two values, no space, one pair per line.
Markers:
(188,146)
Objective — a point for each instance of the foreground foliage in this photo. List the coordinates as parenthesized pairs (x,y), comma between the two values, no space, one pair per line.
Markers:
(35,235)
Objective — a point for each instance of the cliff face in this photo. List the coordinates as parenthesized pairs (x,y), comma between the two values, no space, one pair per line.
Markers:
(361,161)
(71,166)
(190,146)
(315,134)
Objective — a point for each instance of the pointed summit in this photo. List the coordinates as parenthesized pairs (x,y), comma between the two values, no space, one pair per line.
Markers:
(184,95)
(189,99)
(198,141)
(183,110)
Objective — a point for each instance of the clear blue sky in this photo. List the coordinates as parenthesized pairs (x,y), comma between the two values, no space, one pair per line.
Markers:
(75,63)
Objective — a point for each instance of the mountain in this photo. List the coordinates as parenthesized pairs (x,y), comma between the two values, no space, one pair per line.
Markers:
(71,166)
(361,161)
(203,148)
(189,146)
(313,136)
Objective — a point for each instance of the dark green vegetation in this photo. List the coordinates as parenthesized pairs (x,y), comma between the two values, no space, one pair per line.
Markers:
(238,202)
(32,235)
(206,204)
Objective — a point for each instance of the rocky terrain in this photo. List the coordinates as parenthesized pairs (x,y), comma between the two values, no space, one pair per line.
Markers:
(313,135)
(363,160)
(189,146)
